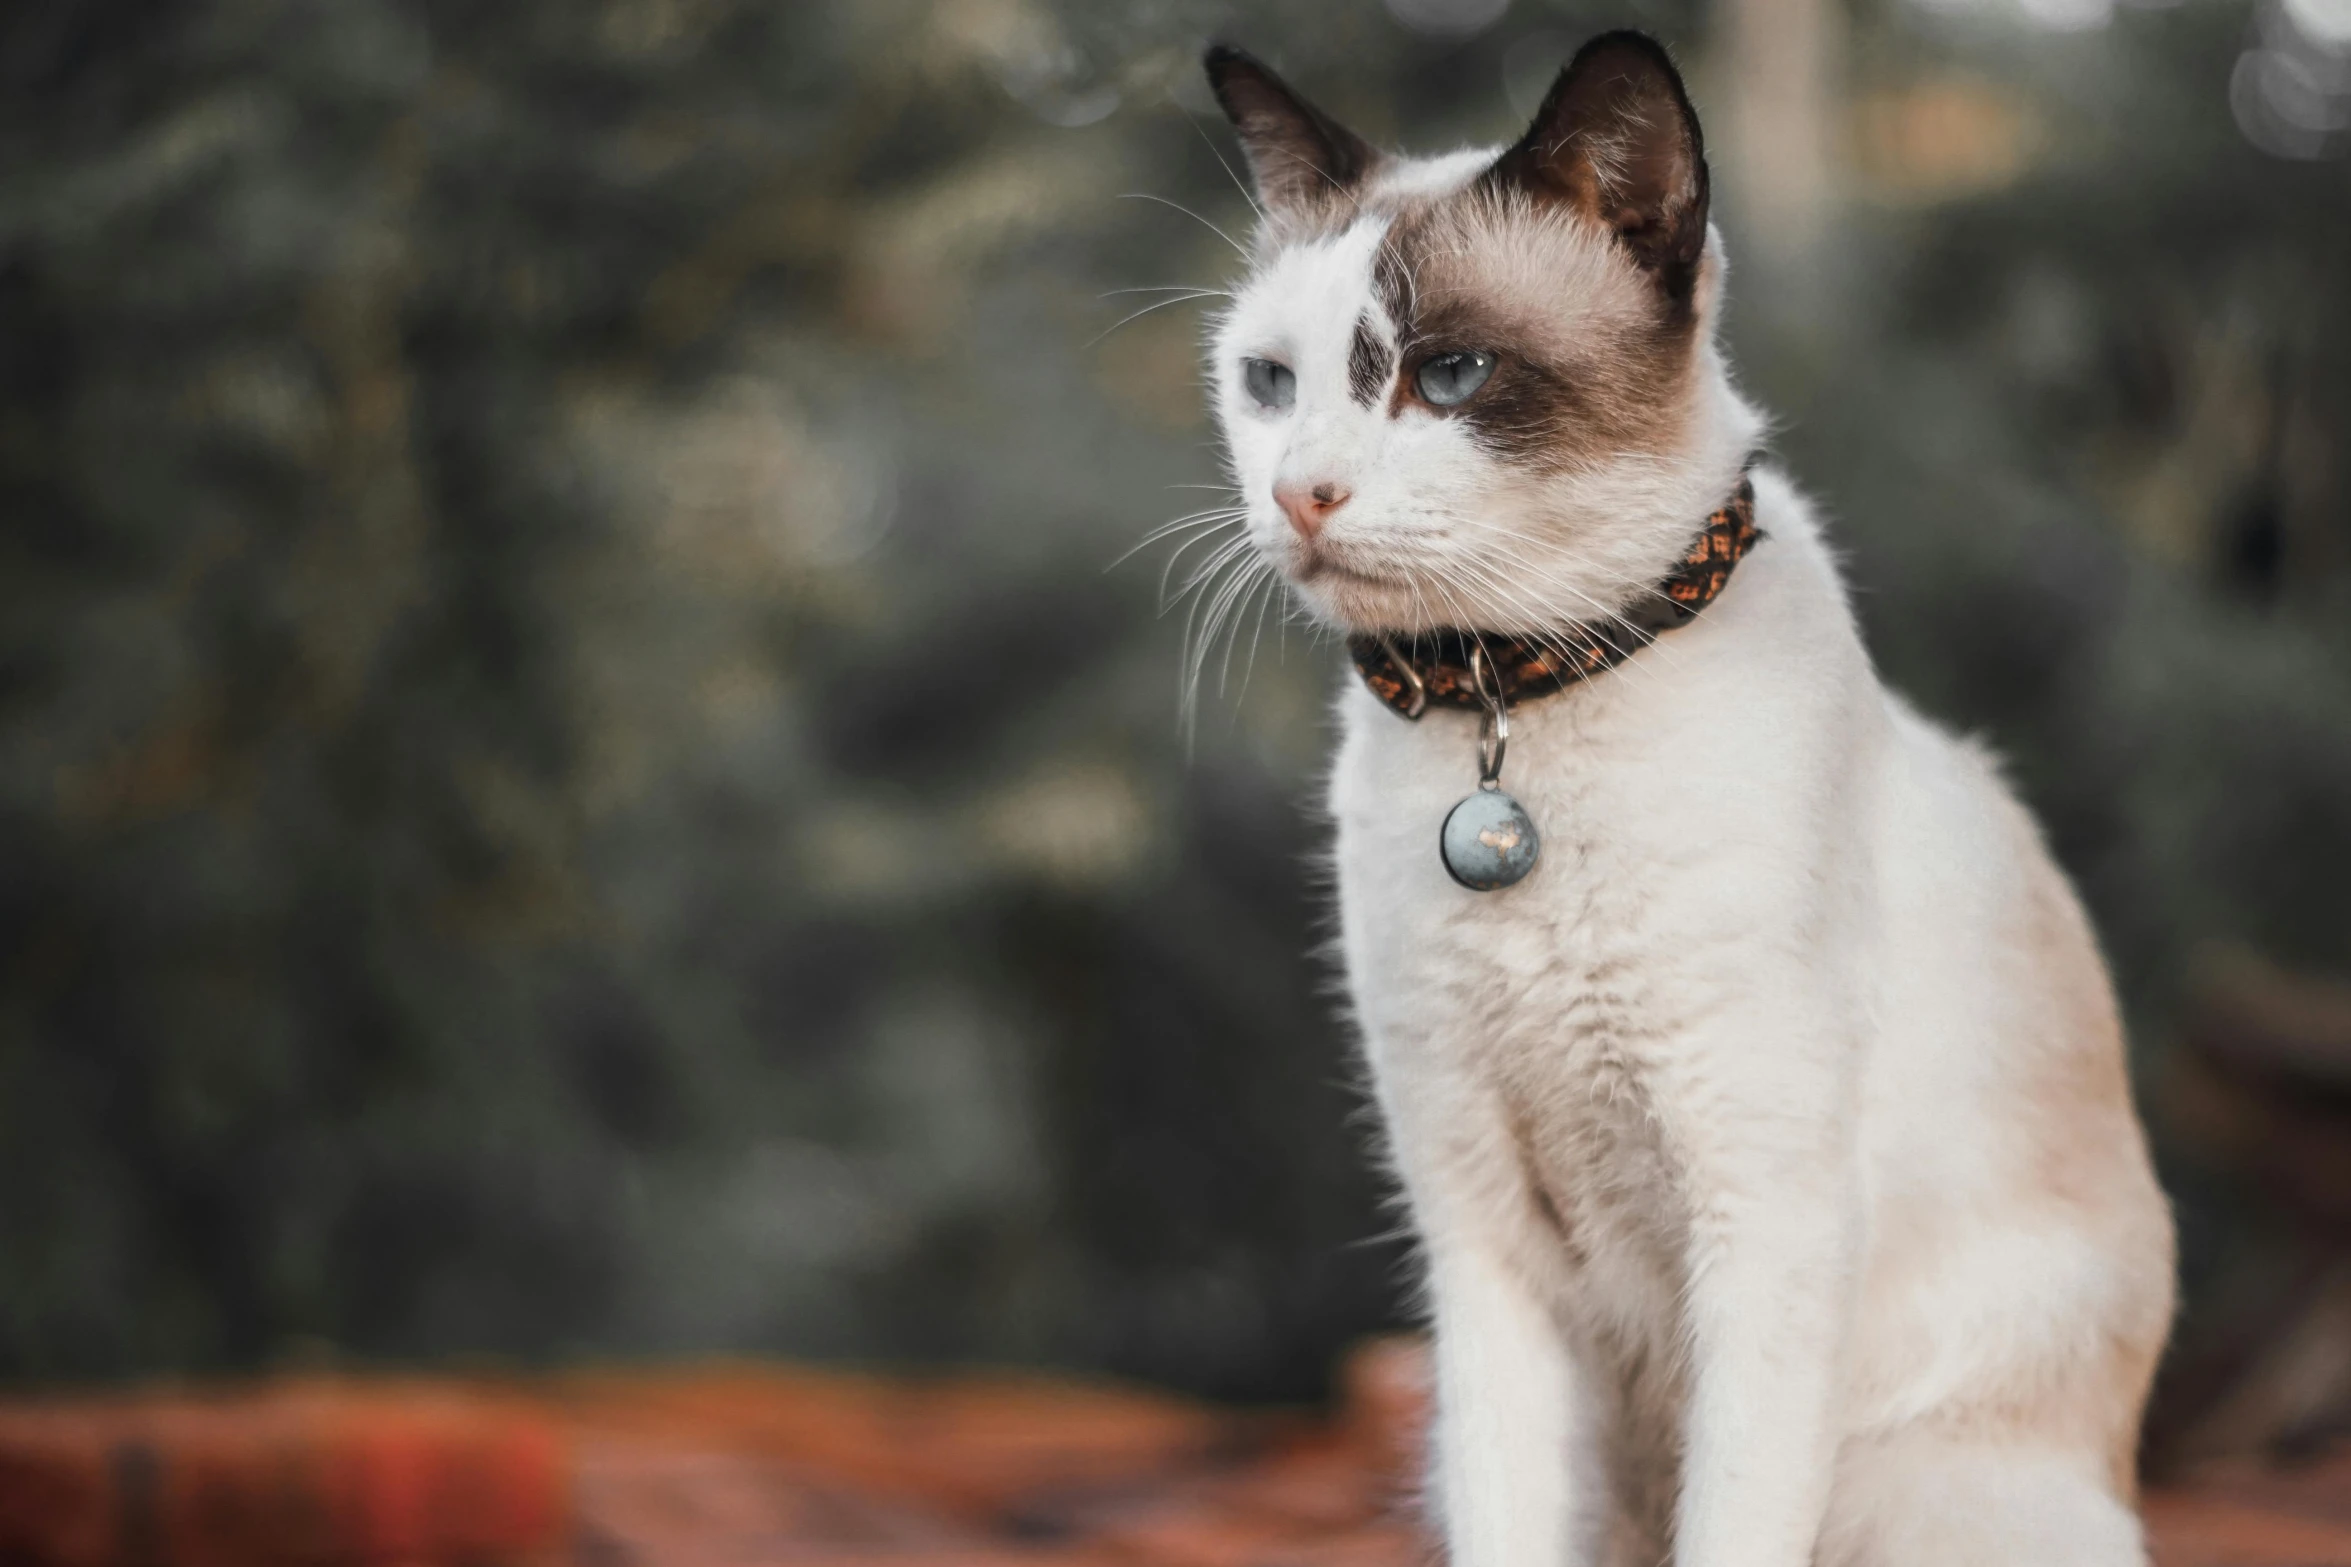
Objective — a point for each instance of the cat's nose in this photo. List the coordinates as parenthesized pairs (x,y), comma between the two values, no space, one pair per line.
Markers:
(1309,506)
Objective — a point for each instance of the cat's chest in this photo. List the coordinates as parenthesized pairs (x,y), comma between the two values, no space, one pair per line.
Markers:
(1547,1003)
(1433,952)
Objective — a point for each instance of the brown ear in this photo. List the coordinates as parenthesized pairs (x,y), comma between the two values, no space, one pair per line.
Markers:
(1300,157)
(1616,139)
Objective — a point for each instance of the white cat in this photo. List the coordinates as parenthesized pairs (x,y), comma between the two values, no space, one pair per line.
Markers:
(1769,1143)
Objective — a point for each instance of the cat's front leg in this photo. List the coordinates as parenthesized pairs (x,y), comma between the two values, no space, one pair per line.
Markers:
(1772,1262)
(1514,1486)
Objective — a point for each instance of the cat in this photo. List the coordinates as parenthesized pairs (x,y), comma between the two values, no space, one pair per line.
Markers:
(1769,1146)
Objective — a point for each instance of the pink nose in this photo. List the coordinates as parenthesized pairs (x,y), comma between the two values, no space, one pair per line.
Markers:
(1310,506)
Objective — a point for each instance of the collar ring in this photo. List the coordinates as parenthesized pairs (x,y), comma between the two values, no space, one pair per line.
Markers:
(1494,724)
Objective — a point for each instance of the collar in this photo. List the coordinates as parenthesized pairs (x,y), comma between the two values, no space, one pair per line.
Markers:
(1412,673)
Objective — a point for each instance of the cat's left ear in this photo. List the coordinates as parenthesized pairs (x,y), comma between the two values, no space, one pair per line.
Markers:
(1617,140)
(1301,159)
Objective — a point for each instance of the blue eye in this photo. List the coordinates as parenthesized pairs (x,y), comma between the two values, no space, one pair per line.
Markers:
(1450,379)
(1272,385)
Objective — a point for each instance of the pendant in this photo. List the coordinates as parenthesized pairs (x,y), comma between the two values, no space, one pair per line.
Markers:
(1488,841)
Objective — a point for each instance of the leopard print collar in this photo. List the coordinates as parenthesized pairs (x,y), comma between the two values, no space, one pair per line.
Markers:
(1413,673)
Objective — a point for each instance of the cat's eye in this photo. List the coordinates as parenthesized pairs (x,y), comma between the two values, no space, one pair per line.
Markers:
(1273,385)
(1450,379)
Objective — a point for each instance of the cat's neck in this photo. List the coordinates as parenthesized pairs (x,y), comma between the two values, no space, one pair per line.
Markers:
(1475,668)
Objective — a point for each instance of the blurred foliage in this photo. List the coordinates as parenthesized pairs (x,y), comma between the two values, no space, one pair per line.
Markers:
(572,780)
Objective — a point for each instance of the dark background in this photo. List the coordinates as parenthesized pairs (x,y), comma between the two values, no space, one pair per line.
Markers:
(573,782)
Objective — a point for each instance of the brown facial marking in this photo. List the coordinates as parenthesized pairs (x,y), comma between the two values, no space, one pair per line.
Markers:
(1368,363)
(1593,360)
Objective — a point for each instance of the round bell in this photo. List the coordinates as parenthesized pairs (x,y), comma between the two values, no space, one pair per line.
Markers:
(1488,841)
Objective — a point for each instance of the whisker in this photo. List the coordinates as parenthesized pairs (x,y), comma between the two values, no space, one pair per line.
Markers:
(1634,640)
(1216,559)
(1641,585)
(1247,194)
(1137,316)
(1167,530)
(1615,616)
(1194,519)
(1491,583)
(1269,586)
(1235,599)
(1205,615)
(1196,290)
(1172,530)
(1556,641)
(1144,195)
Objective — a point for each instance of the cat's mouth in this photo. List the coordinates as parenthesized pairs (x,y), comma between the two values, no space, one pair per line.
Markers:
(1321,568)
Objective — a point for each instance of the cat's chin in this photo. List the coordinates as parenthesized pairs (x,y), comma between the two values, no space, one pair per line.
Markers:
(1355,604)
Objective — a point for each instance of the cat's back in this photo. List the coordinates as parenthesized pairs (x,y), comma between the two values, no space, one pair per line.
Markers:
(1989,986)
(2012,1193)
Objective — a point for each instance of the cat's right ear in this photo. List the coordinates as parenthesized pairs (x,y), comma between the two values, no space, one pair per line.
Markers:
(1303,161)
(1617,140)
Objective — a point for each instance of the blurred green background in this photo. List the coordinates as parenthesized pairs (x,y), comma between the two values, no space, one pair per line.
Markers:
(573,780)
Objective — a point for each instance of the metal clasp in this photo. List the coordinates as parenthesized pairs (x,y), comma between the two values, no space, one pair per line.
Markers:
(1403,666)
(1494,726)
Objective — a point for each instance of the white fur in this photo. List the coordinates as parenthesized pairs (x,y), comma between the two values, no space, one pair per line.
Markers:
(1795,1023)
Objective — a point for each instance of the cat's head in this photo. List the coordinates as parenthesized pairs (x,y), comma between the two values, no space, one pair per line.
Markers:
(1480,389)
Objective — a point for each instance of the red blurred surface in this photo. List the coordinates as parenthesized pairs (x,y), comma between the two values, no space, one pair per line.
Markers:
(302,1472)
(750,1465)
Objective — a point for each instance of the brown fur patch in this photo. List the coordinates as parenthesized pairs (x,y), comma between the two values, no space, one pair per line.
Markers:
(1368,363)
(1546,1205)
(1593,361)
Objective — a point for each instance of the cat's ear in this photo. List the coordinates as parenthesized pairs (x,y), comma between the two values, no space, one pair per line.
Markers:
(1617,140)
(1301,159)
